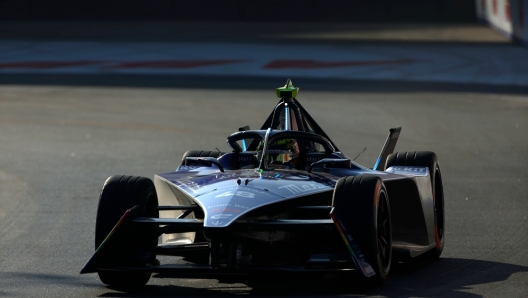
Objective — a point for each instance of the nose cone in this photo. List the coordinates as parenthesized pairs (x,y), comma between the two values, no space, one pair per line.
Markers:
(222,207)
(224,197)
(225,204)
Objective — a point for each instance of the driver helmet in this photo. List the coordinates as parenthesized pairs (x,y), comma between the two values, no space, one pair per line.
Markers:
(284,150)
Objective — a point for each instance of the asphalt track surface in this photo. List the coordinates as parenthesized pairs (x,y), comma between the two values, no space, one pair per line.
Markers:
(59,142)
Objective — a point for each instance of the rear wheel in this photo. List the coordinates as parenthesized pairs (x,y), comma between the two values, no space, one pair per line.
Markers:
(364,202)
(201,153)
(127,247)
(427,159)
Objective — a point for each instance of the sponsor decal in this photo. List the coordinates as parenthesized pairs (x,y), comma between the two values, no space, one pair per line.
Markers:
(296,176)
(222,216)
(226,208)
(401,170)
(240,193)
(301,188)
(312,159)
(197,183)
(189,184)
(269,175)
(410,169)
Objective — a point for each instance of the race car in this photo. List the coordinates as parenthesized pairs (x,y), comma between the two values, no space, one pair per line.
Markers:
(285,200)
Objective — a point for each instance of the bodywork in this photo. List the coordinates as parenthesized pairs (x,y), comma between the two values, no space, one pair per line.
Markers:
(230,197)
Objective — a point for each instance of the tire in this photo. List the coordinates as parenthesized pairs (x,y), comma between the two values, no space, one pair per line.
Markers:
(365,202)
(427,159)
(126,247)
(201,153)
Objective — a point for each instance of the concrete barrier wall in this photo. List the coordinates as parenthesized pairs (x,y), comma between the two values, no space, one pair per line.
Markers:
(243,10)
(506,16)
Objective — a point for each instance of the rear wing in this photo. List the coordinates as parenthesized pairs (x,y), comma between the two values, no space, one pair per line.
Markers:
(388,148)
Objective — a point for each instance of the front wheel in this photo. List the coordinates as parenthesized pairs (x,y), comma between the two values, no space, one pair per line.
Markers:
(128,246)
(364,203)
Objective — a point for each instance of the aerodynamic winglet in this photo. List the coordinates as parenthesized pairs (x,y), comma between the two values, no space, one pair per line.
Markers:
(90,267)
(388,148)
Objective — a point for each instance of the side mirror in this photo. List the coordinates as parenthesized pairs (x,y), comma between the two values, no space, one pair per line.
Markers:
(331,163)
(206,161)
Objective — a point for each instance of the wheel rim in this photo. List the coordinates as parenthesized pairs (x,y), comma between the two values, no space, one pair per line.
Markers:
(384,231)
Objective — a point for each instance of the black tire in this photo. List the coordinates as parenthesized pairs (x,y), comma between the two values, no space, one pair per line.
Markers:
(126,246)
(427,159)
(365,203)
(201,153)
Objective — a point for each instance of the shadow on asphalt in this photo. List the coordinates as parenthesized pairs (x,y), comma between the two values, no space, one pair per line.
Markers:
(250,83)
(420,278)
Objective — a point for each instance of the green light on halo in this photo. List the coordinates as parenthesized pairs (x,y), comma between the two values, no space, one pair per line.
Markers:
(287,91)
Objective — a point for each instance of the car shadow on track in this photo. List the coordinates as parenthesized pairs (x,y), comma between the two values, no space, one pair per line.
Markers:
(445,277)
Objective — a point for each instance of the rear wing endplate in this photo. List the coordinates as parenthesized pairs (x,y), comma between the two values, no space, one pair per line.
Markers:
(388,148)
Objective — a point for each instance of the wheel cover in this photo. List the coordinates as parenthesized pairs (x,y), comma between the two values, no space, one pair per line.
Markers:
(384,231)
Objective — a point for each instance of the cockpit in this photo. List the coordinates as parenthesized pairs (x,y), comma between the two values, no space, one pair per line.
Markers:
(289,139)
(276,149)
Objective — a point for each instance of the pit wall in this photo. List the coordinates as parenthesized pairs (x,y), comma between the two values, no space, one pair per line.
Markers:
(509,17)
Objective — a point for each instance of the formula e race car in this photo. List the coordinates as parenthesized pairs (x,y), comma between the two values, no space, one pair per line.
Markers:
(285,200)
